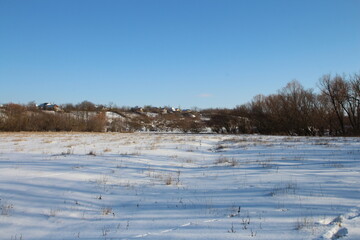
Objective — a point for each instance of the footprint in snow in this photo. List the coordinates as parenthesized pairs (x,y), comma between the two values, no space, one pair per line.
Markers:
(342,232)
(337,231)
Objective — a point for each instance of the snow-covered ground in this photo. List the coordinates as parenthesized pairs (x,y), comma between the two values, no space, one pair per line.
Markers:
(177,186)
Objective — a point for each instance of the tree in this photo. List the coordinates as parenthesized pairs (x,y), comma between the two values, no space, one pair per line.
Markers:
(354,102)
(344,96)
(298,106)
(334,89)
(86,106)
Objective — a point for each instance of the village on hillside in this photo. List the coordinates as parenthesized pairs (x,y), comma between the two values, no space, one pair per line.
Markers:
(294,111)
(87,116)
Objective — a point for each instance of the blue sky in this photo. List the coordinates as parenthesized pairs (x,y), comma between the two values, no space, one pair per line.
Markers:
(186,53)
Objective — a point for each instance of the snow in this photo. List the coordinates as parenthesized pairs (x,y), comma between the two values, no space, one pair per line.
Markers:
(113,115)
(178,186)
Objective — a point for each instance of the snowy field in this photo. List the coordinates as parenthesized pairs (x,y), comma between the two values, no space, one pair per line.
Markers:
(177,186)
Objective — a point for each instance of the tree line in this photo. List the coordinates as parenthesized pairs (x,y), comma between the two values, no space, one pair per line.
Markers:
(16,117)
(293,110)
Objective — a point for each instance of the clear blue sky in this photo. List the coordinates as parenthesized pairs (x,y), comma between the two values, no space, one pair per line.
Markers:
(203,53)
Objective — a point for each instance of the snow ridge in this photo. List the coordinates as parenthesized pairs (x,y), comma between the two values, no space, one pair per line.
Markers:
(338,227)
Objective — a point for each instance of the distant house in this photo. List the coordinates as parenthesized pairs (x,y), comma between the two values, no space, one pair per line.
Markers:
(137,109)
(186,111)
(163,110)
(48,107)
(175,109)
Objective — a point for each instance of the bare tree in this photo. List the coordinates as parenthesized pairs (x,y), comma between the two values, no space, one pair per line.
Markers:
(334,89)
(344,96)
(298,106)
(354,102)
(86,106)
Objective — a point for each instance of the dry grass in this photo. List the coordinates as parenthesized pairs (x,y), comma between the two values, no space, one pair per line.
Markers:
(92,153)
(305,223)
(106,211)
(107,150)
(226,161)
(6,208)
